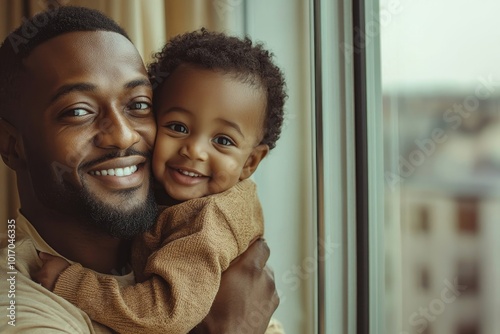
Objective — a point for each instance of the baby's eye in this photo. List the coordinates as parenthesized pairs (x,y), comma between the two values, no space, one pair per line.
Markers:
(224,141)
(177,127)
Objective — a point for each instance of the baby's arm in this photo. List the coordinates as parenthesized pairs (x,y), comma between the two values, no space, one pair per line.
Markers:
(53,266)
(184,275)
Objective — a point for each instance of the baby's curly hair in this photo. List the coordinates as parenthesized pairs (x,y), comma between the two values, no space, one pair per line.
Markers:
(217,51)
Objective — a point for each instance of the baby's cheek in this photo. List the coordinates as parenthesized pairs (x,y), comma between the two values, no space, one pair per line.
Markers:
(228,176)
(158,164)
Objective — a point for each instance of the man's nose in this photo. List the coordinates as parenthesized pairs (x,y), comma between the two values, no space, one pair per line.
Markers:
(194,149)
(116,131)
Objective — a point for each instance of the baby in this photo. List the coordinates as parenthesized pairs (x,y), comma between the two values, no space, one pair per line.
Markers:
(219,110)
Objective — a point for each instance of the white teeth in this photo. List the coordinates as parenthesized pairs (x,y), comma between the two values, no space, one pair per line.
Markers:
(126,171)
(189,173)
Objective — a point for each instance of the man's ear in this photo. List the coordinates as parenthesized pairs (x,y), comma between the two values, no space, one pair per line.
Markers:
(11,146)
(254,160)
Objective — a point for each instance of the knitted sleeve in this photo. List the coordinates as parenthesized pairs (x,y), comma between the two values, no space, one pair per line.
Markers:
(182,276)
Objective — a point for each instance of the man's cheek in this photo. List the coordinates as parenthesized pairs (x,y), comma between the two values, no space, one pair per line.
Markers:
(66,166)
(148,133)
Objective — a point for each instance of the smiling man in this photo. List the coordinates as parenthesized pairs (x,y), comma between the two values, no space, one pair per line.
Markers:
(77,128)
(80,117)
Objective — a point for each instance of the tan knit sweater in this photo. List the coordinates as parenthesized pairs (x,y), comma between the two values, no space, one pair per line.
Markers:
(178,265)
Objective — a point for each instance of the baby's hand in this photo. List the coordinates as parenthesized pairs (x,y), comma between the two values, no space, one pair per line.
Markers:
(52,267)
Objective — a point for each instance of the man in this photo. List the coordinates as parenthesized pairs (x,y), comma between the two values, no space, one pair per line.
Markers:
(75,99)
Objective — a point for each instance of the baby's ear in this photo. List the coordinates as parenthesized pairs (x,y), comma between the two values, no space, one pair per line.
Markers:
(254,160)
(10,146)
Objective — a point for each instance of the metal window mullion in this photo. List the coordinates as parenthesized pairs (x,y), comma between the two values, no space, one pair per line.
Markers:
(362,189)
(375,165)
(335,164)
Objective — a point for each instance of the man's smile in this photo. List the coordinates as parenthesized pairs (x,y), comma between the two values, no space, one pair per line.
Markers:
(115,171)
(120,173)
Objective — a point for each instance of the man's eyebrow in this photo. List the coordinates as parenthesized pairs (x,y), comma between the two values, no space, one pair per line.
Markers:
(87,87)
(66,89)
(137,83)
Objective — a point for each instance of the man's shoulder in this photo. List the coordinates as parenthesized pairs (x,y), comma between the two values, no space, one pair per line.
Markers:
(26,306)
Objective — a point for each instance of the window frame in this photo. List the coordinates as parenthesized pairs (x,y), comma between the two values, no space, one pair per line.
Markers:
(349,165)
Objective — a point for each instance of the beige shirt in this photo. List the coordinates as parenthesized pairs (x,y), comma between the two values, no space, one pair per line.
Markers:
(35,309)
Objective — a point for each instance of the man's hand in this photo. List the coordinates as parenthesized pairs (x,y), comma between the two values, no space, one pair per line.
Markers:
(52,267)
(247,296)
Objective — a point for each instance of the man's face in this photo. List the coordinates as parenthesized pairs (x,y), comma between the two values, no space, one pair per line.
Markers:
(87,129)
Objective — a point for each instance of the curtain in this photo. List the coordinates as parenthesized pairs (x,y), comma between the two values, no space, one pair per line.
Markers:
(148,22)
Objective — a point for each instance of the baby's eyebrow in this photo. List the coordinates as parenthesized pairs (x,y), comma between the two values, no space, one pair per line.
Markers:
(178,109)
(163,112)
(221,120)
(232,124)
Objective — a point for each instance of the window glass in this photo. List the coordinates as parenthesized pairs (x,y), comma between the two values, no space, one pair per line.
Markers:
(441,110)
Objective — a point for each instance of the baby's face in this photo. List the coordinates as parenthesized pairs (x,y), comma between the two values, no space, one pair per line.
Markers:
(209,129)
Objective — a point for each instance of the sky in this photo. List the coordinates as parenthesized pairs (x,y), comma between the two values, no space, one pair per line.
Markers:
(440,42)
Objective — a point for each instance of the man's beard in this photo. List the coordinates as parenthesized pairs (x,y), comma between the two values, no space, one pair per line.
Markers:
(115,221)
(81,205)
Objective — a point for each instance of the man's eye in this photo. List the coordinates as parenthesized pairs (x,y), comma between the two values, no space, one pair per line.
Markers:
(139,106)
(177,128)
(224,141)
(76,112)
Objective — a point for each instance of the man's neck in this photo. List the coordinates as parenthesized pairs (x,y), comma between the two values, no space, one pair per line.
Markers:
(81,243)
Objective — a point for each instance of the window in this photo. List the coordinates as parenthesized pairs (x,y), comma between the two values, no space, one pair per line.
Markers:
(423,219)
(424,278)
(468,276)
(468,328)
(439,107)
(468,215)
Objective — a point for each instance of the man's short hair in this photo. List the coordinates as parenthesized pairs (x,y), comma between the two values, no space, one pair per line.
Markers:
(35,31)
